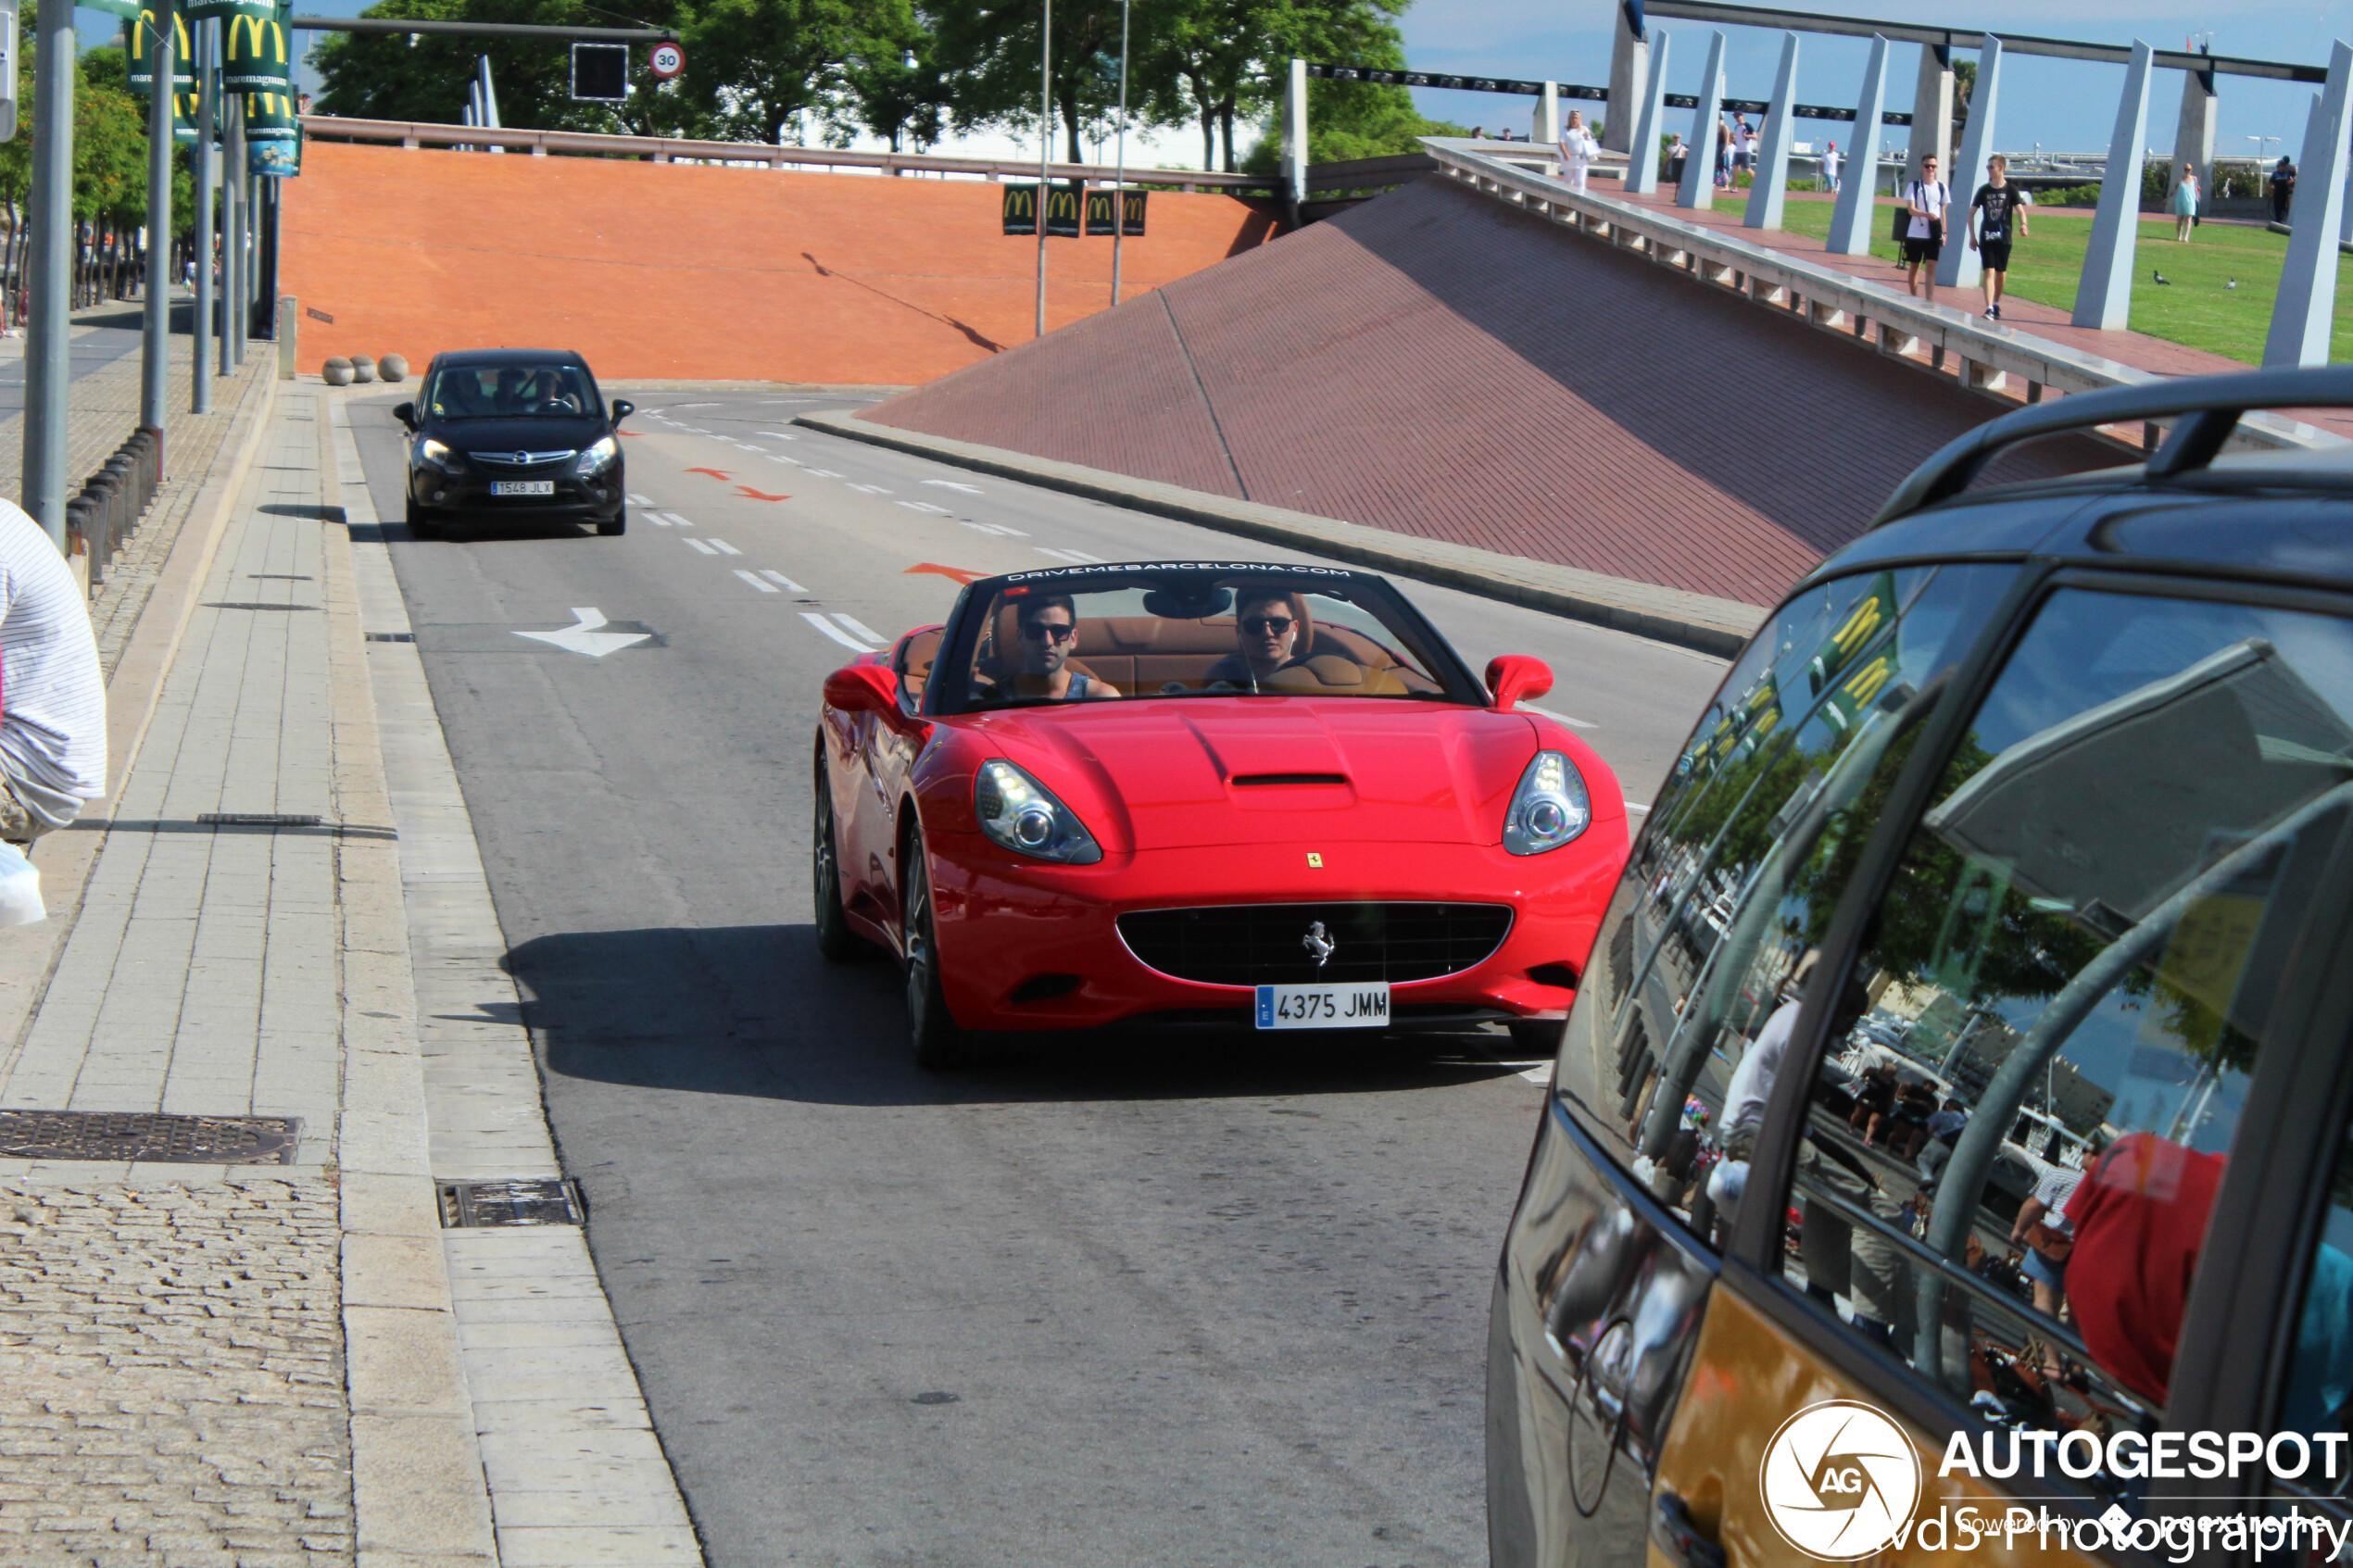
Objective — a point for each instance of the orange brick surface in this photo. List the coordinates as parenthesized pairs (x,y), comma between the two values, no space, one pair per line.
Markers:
(688,271)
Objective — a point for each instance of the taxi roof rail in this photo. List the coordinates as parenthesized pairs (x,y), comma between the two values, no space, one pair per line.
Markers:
(2209,407)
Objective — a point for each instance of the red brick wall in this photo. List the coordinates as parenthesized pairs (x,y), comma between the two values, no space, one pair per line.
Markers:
(675,271)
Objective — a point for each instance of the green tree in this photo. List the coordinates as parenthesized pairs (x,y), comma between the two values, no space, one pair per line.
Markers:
(889,80)
(1345,119)
(997,43)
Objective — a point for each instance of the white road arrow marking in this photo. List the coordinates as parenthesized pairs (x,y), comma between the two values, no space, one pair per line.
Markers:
(583,637)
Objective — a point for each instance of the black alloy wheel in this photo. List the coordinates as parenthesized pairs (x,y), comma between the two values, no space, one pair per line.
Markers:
(835,941)
(932,1028)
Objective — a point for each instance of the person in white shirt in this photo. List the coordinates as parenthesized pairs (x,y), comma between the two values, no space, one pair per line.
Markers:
(1578,151)
(1926,199)
(53,697)
(1830,162)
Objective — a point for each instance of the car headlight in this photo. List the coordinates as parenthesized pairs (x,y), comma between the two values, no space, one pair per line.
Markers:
(1023,816)
(433,452)
(1550,807)
(598,457)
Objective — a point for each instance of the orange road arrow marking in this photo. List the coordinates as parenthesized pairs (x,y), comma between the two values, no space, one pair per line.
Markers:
(760,494)
(953,573)
(713,473)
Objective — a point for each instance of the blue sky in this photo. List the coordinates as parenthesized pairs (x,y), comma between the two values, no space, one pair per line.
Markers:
(2064,104)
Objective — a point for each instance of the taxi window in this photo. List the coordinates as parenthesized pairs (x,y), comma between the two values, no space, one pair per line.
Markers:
(1703,943)
(2033,1083)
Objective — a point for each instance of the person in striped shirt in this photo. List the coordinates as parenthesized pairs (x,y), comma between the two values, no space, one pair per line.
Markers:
(53,697)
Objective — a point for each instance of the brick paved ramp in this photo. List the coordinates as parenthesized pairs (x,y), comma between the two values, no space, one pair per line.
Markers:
(1434,363)
(677,270)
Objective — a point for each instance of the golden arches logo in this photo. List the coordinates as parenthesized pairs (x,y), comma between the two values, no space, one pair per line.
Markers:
(253,51)
(1021,202)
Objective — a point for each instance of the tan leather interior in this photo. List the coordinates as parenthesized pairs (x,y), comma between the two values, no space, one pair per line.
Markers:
(1142,654)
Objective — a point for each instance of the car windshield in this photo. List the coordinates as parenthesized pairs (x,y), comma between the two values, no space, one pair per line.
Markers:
(1082,636)
(511,391)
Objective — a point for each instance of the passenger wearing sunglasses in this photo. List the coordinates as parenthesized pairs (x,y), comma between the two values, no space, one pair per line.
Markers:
(1267,623)
(1049,631)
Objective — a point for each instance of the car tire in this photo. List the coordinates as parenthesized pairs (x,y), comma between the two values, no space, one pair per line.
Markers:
(930,1026)
(421,521)
(617,526)
(1537,1037)
(835,941)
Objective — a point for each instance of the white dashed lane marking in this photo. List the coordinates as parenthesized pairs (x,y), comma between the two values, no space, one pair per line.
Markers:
(871,489)
(755,581)
(836,632)
(723,548)
(996,529)
(637,500)
(1561,717)
(952,484)
(860,629)
(700,546)
(776,435)
(781,581)
(823,473)
(924,507)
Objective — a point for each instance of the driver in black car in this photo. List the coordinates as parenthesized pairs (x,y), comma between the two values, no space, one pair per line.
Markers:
(1266,626)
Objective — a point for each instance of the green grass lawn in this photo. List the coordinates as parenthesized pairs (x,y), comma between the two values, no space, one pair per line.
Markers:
(2194,307)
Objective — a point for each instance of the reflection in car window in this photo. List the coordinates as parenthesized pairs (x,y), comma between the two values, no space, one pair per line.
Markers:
(1191,636)
(2317,1395)
(2019,1128)
(1672,1047)
(510,392)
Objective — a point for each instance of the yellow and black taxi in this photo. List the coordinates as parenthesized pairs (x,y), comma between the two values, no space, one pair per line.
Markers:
(1947,1154)
(514,432)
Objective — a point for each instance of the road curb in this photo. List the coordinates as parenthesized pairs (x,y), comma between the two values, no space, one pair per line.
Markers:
(28,953)
(1670,615)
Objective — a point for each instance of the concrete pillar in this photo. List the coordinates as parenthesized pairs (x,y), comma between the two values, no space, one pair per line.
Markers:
(1642,158)
(2307,307)
(2103,295)
(1933,112)
(1851,224)
(1771,188)
(2193,135)
(1959,267)
(1295,142)
(1630,68)
(1547,128)
(1699,170)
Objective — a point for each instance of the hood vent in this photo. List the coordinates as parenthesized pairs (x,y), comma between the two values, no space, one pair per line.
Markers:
(1253,781)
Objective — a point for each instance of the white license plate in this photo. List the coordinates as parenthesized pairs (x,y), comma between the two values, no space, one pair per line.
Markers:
(1324,1007)
(523,487)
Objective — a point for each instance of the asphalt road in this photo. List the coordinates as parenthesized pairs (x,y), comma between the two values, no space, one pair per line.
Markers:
(1133,1300)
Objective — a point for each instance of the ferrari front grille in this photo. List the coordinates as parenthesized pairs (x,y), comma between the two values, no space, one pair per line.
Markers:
(1282,944)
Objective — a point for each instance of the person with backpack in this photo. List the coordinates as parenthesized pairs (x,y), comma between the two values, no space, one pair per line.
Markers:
(1997,207)
(1920,226)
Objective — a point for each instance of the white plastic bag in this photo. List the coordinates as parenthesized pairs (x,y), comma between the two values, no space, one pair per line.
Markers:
(19,888)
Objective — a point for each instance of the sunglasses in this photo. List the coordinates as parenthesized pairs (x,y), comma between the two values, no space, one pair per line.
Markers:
(1268,625)
(1039,630)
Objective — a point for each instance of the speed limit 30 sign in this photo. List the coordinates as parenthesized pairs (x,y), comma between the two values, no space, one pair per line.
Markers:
(667,60)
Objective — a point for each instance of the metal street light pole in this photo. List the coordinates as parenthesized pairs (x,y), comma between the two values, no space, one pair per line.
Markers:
(1045,148)
(155,344)
(205,40)
(236,259)
(1119,179)
(51,248)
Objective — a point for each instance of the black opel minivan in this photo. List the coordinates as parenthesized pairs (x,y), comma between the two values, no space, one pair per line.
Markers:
(506,431)
(1966,1054)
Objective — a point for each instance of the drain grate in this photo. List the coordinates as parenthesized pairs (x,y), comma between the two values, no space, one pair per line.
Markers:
(149,1135)
(243,604)
(392,637)
(255,820)
(539,1201)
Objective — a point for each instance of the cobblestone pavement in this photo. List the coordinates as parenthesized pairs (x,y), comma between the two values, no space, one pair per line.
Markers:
(171,1378)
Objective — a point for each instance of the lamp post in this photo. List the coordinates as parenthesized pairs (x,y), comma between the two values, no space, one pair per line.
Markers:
(155,346)
(1119,178)
(1045,147)
(206,37)
(51,271)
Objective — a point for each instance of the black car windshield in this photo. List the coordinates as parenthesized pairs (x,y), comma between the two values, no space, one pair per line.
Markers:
(1096,634)
(511,391)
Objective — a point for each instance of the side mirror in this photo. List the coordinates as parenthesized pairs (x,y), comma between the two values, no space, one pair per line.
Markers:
(862,688)
(621,409)
(1515,678)
(407,414)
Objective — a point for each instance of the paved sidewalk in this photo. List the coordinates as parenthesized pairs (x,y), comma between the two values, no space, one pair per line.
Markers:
(246,1364)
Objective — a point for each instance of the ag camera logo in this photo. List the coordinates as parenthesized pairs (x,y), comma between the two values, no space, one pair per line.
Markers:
(1840,1481)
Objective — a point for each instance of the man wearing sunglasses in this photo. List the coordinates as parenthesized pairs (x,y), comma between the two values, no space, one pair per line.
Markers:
(1267,623)
(1049,631)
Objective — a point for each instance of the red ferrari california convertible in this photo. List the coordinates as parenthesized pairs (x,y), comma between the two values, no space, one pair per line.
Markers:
(1199,792)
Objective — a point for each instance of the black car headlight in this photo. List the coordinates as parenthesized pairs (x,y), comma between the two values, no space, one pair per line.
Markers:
(598,457)
(1550,807)
(1023,815)
(433,454)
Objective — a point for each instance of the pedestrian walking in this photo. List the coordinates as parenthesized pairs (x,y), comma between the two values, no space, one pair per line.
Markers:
(1723,152)
(2186,203)
(1747,151)
(1925,199)
(1578,151)
(1831,162)
(53,700)
(1677,153)
(1995,214)
(2282,188)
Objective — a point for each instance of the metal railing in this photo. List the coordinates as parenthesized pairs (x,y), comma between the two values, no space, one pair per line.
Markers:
(668,149)
(1984,354)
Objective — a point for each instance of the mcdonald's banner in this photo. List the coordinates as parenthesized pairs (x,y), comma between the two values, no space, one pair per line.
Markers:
(137,35)
(1021,207)
(270,116)
(222,10)
(279,160)
(1062,209)
(1099,205)
(183,118)
(253,53)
